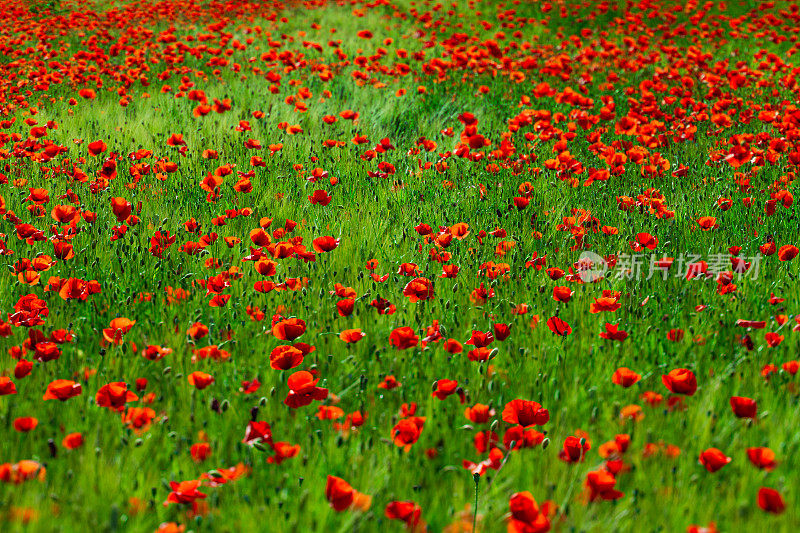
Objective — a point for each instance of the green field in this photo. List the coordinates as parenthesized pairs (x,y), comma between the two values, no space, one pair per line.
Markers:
(333,266)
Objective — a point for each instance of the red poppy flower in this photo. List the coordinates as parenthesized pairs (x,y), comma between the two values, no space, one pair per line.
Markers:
(791,367)
(200,451)
(600,485)
(114,396)
(770,500)
(303,390)
(389,383)
(138,418)
(325,244)
(22,471)
(680,381)
(22,368)
(773,339)
(562,294)
(121,208)
(320,197)
(604,304)
(117,329)
(452,346)
(479,413)
(625,377)
(352,335)
(675,335)
(257,432)
(25,424)
(96,147)
(558,326)
(285,357)
(763,458)
(62,389)
(418,289)
(200,380)
(197,331)
(707,223)
(787,252)
(613,333)
(283,451)
(72,441)
(502,331)
(289,329)
(7,386)
(342,496)
(407,431)
(444,388)
(743,407)
(184,492)
(525,413)
(403,338)
(517,437)
(408,512)
(345,307)
(329,412)
(154,352)
(526,515)
(574,449)
(644,240)
(713,459)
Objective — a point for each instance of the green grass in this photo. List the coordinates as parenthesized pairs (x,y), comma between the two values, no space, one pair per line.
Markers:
(91,487)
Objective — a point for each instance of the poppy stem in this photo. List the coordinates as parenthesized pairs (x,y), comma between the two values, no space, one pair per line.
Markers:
(505,460)
(191,406)
(477,478)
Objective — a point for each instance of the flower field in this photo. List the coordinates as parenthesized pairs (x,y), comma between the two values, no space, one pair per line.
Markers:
(361,266)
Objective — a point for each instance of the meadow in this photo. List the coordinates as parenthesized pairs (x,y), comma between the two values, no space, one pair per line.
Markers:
(360,266)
